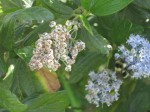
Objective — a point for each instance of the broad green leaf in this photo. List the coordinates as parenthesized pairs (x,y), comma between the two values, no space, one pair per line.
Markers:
(10,5)
(105,7)
(25,82)
(141,99)
(49,102)
(77,2)
(7,33)
(58,6)
(87,4)
(142,3)
(96,42)
(23,16)
(10,102)
(105,25)
(20,31)
(0,23)
(3,67)
(29,14)
(86,63)
(34,35)
(113,26)
(119,24)
(121,31)
(139,96)
(136,14)
(137,29)
(25,53)
(3,110)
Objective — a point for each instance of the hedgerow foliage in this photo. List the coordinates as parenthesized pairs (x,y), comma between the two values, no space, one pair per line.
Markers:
(104,25)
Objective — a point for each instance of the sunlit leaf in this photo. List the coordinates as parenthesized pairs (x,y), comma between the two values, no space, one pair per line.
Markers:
(24,16)
(104,7)
(57,6)
(6,74)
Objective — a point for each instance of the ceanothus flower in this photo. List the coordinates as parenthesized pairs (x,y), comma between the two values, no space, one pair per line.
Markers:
(136,55)
(103,88)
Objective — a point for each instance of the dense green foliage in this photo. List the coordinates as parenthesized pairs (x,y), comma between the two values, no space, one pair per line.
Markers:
(104,22)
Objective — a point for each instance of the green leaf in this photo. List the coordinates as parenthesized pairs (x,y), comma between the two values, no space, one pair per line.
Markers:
(121,31)
(34,35)
(0,23)
(77,2)
(20,31)
(105,25)
(3,67)
(29,14)
(58,6)
(25,53)
(24,16)
(87,62)
(131,97)
(141,99)
(142,3)
(49,102)
(104,7)
(25,82)
(136,14)
(9,101)
(137,29)
(7,33)
(96,42)
(10,5)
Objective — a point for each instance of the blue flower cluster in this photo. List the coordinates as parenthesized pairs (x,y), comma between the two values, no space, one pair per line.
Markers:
(103,87)
(136,55)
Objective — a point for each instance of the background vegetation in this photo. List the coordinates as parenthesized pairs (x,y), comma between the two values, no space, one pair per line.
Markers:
(104,22)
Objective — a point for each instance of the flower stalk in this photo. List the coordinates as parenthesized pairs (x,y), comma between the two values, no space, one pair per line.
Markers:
(75,104)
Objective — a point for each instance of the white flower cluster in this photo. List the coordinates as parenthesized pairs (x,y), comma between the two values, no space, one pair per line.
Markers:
(55,46)
(103,87)
(136,56)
